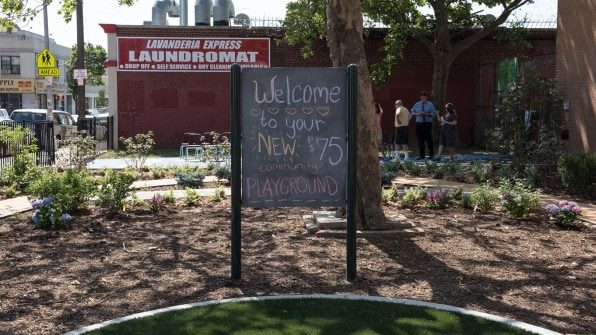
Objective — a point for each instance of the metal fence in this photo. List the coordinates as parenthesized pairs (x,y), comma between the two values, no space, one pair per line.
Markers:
(42,134)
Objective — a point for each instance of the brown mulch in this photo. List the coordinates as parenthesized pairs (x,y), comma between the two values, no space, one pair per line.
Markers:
(97,269)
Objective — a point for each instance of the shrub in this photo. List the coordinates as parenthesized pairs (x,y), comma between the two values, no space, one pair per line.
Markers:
(223,172)
(387,177)
(169,198)
(158,172)
(191,196)
(23,169)
(437,199)
(392,165)
(433,169)
(218,195)
(389,194)
(565,213)
(412,167)
(455,170)
(81,148)
(519,199)
(71,189)
(137,149)
(190,179)
(48,213)
(480,172)
(114,189)
(484,198)
(577,173)
(413,196)
(156,203)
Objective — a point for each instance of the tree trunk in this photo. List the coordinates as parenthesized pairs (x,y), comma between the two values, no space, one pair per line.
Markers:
(344,30)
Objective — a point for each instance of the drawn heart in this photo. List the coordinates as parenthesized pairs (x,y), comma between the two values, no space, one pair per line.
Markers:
(291,111)
(273,110)
(255,112)
(307,110)
(323,111)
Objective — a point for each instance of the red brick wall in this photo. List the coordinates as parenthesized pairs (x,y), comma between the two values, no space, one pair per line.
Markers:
(171,104)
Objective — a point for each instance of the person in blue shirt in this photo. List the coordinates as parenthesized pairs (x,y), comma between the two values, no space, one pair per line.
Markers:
(424,111)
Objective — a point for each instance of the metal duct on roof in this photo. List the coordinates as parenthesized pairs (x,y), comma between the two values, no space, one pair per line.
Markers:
(223,10)
(160,10)
(203,12)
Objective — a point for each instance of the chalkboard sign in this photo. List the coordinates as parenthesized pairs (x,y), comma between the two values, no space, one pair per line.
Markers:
(294,149)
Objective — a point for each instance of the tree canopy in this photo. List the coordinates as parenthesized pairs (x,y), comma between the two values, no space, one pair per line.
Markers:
(95,57)
(23,11)
(446,27)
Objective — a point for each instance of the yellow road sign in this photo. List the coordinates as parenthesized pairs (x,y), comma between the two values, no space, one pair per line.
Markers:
(48,72)
(45,59)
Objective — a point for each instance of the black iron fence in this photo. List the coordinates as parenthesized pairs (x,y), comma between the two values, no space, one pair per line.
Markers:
(43,133)
(39,132)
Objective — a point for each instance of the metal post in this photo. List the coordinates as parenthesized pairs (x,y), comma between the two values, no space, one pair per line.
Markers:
(236,173)
(351,182)
(49,101)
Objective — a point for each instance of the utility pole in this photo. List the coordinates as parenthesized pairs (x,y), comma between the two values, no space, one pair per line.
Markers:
(49,102)
(80,59)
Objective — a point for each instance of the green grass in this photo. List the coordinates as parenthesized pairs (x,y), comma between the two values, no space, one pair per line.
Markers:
(309,316)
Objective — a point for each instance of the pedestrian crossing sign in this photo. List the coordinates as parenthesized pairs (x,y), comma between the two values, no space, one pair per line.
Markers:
(45,59)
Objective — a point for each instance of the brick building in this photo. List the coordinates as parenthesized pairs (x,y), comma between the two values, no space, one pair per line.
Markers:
(576,71)
(171,103)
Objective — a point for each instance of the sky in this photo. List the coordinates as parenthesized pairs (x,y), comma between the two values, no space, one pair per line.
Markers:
(108,11)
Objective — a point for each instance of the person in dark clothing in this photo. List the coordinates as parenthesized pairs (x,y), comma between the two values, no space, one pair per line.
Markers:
(424,112)
(448,135)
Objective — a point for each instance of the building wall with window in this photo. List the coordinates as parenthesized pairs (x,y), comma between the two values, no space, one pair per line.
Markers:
(20,87)
(576,71)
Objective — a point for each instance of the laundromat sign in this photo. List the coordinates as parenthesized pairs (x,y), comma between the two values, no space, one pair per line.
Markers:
(191,54)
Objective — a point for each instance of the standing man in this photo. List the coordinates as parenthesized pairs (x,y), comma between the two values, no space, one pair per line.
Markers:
(424,111)
(402,129)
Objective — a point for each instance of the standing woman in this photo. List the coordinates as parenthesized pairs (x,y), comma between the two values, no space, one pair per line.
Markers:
(379,116)
(448,135)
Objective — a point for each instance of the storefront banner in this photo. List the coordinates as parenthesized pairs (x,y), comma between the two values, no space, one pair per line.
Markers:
(17,86)
(191,54)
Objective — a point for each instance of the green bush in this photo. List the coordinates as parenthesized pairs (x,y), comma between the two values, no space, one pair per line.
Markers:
(455,170)
(576,171)
(412,196)
(480,172)
(392,165)
(71,189)
(23,169)
(114,189)
(191,196)
(389,194)
(81,148)
(412,167)
(519,199)
(223,172)
(137,149)
(190,179)
(387,177)
(484,198)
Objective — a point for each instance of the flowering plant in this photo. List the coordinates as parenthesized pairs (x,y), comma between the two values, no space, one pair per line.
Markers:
(156,203)
(47,214)
(565,213)
(437,200)
(514,206)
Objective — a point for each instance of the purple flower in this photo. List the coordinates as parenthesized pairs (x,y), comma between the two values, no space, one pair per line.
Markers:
(504,203)
(562,203)
(573,204)
(565,208)
(507,195)
(66,217)
(35,218)
(576,209)
(552,209)
(36,204)
(47,201)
